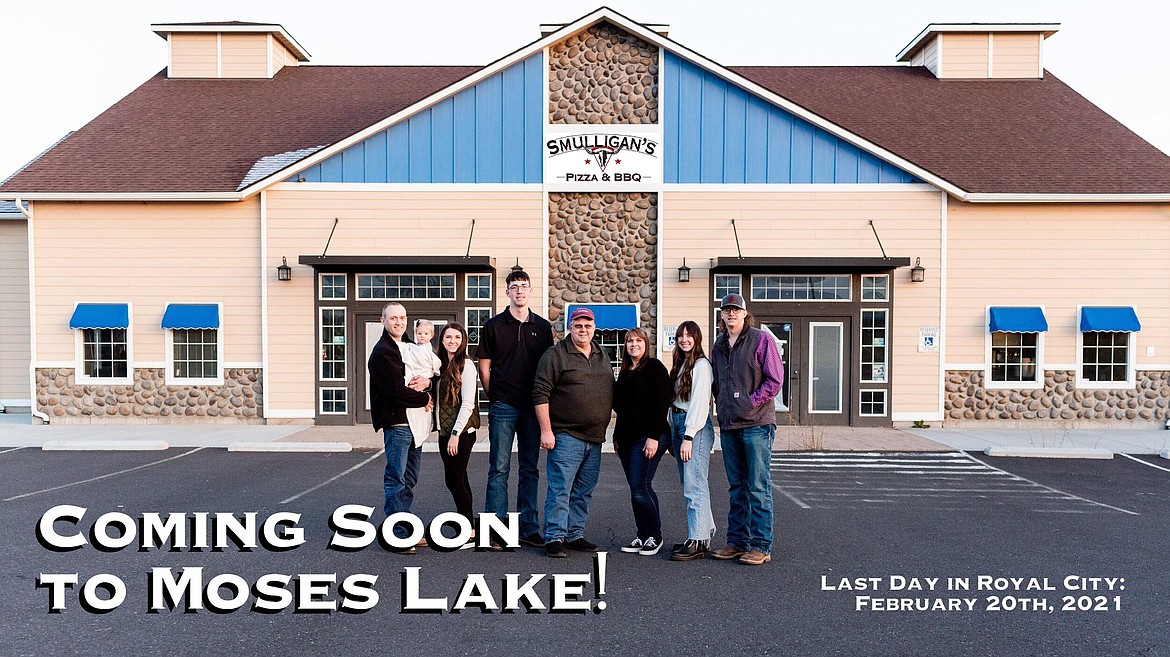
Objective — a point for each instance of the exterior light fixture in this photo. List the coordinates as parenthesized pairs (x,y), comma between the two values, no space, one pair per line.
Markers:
(917,272)
(517,267)
(684,272)
(284,272)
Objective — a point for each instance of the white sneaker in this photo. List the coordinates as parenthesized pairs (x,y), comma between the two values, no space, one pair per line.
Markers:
(634,546)
(650,547)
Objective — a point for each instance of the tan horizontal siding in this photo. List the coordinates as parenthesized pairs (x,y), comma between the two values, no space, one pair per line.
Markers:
(1058,257)
(148,254)
(244,55)
(193,56)
(14,309)
(963,55)
(509,226)
(697,225)
(1016,55)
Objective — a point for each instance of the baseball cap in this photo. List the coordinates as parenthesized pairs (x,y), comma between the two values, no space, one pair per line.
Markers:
(579,313)
(733,300)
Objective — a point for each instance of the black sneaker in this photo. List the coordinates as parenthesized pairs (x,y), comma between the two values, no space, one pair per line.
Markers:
(634,547)
(532,540)
(581,545)
(690,550)
(651,547)
(555,549)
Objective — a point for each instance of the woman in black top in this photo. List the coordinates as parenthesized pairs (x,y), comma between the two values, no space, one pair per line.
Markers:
(640,397)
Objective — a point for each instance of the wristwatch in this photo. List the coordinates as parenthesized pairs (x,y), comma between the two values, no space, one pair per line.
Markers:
(687,438)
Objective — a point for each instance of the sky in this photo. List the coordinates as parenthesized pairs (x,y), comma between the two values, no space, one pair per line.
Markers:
(64,62)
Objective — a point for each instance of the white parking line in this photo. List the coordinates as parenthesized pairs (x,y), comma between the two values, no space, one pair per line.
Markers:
(11,450)
(333,478)
(99,478)
(1056,490)
(1156,467)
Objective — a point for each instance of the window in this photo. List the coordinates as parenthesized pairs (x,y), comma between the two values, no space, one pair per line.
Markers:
(801,288)
(726,284)
(479,286)
(195,354)
(875,288)
(333,344)
(104,353)
(614,342)
(332,286)
(873,346)
(406,286)
(873,402)
(1014,357)
(476,318)
(333,401)
(1105,357)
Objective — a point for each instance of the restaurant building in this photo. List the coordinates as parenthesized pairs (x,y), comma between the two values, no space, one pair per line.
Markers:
(957,238)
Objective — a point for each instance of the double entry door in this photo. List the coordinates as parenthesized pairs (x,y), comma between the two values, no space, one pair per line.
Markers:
(817,355)
(369,331)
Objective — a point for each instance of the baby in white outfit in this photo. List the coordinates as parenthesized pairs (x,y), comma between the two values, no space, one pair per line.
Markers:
(420,360)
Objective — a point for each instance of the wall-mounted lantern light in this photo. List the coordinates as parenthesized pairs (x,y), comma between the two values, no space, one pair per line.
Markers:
(284,272)
(517,267)
(917,272)
(684,272)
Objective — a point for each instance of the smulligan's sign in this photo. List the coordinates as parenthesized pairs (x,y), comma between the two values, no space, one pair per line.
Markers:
(602,157)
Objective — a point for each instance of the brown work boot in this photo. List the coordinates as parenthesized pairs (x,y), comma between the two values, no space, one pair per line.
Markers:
(727,552)
(755,558)
(422,543)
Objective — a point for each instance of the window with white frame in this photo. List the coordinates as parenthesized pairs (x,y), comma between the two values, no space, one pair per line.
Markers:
(873,403)
(801,288)
(333,286)
(1105,357)
(104,353)
(874,346)
(479,286)
(406,286)
(614,342)
(476,318)
(195,353)
(875,288)
(333,401)
(726,284)
(333,341)
(1014,357)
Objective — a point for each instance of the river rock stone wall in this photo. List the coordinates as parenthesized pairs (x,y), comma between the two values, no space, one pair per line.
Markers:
(1059,402)
(603,248)
(239,400)
(603,75)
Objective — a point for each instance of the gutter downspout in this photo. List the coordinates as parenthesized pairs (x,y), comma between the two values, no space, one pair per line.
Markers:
(32,316)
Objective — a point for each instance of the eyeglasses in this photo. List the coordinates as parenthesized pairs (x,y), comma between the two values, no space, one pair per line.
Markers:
(731,311)
(519,286)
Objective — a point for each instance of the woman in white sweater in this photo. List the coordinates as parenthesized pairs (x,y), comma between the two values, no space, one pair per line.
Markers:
(456,414)
(693,437)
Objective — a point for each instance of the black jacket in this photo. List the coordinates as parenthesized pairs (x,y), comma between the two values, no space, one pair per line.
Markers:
(389,396)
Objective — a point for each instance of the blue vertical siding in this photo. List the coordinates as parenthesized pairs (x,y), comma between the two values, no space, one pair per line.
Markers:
(488,133)
(716,132)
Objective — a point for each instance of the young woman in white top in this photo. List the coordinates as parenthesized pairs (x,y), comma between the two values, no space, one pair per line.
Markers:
(456,414)
(693,437)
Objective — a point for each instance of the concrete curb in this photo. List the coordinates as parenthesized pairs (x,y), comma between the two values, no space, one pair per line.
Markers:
(289,447)
(1050,452)
(1165,454)
(105,446)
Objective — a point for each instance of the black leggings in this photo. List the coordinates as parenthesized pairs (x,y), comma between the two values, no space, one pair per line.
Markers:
(455,472)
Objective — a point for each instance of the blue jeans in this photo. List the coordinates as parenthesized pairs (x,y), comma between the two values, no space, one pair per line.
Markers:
(640,475)
(504,423)
(402,463)
(572,468)
(693,475)
(747,457)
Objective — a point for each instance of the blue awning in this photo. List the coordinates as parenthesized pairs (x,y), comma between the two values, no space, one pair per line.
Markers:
(1017,320)
(100,316)
(608,317)
(1115,319)
(191,316)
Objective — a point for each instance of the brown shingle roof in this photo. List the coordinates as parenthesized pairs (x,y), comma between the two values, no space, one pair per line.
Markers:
(193,135)
(984,136)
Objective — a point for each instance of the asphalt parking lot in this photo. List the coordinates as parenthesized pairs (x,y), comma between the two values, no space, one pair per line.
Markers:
(1060,557)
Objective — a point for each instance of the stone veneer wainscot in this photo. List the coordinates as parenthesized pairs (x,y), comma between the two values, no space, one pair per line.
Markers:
(239,400)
